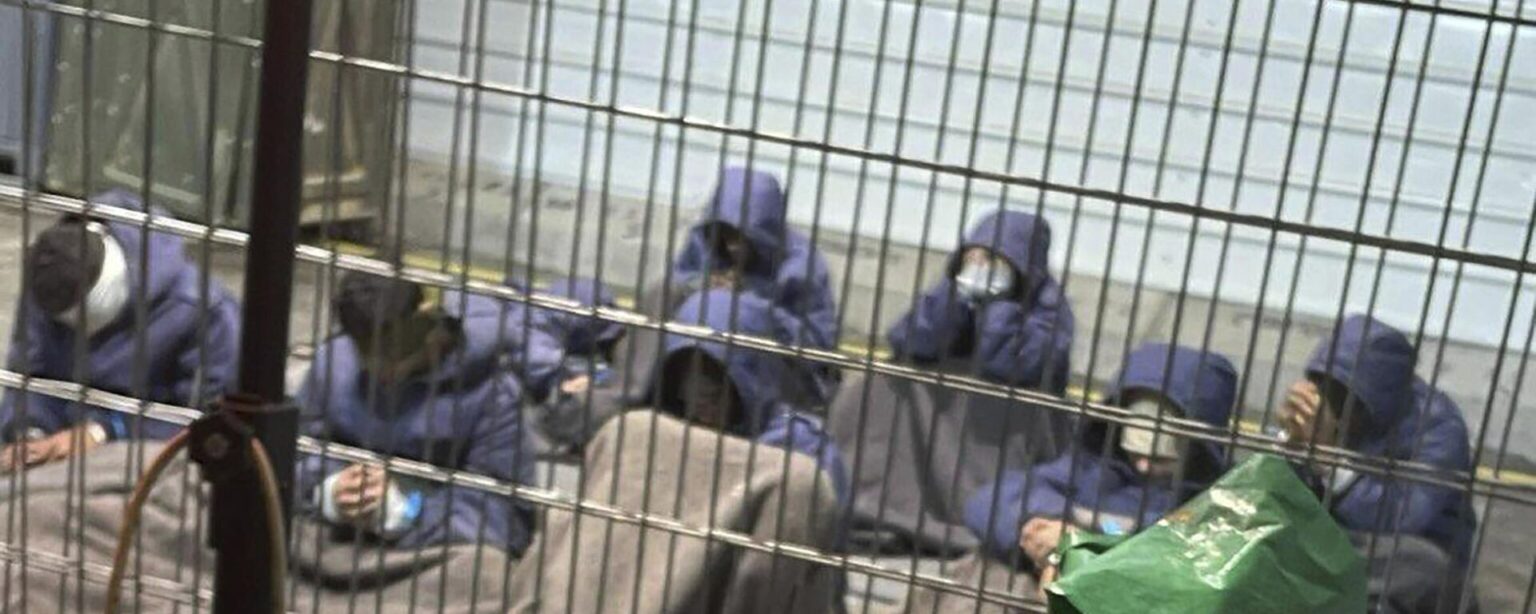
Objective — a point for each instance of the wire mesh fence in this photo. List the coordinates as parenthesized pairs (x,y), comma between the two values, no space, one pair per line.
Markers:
(776,305)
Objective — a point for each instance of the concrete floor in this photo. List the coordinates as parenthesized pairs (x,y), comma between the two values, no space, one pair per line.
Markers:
(1468,373)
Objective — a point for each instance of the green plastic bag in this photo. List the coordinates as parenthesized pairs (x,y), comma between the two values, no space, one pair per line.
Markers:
(1256,541)
(1077,548)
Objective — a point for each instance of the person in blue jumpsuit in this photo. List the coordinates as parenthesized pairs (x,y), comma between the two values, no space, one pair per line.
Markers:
(587,391)
(743,243)
(711,440)
(534,354)
(920,451)
(997,313)
(737,390)
(1118,479)
(132,301)
(1360,393)
(415,374)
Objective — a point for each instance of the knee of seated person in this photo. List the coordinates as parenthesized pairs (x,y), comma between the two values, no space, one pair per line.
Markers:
(1408,573)
(1405,550)
(805,481)
(628,424)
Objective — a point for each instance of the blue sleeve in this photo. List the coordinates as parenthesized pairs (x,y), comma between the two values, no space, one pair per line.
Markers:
(805,293)
(533,353)
(689,264)
(997,513)
(43,412)
(313,468)
(925,332)
(207,367)
(803,433)
(1027,346)
(536,355)
(1380,504)
(496,448)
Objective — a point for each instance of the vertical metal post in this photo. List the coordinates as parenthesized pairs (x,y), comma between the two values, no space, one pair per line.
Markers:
(242,581)
(275,193)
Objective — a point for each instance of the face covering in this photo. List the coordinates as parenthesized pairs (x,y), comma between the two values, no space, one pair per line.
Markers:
(109,295)
(983,280)
(1140,441)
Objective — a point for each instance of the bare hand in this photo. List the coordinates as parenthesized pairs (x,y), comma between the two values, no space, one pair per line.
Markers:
(724,279)
(1039,539)
(58,446)
(1303,419)
(576,385)
(13,456)
(359,491)
(1048,576)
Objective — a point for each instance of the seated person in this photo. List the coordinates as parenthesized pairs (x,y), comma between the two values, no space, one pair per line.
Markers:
(533,354)
(714,444)
(1360,393)
(417,377)
(921,451)
(1119,479)
(743,243)
(587,393)
(735,390)
(86,281)
(997,313)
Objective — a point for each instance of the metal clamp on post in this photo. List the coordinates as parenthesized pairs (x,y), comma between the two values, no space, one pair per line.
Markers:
(221,445)
(239,533)
(220,440)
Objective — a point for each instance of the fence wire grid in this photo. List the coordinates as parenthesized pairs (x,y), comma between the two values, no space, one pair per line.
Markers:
(777,305)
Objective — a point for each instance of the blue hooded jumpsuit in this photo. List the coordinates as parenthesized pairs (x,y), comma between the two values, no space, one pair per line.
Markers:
(190,342)
(1406,421)
(586,346)
(533,353)
(1094,485)
(1022,339)
(785,269)
(464,415)
(920,452)
(767,416)
(580,335)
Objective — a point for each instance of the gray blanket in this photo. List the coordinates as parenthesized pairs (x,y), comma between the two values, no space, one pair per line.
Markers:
(977,571)
(916,453)
(1410,575)
(652,462)
(75,524)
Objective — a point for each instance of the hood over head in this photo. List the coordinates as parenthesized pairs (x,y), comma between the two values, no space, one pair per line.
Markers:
(580,334)
(165,254)
(757,376)
(1375,362)
(1023,239)
(364,301)
(753,203)
(1202,385)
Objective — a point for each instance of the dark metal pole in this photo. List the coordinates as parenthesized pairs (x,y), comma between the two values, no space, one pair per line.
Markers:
(278,178)
(242,581)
